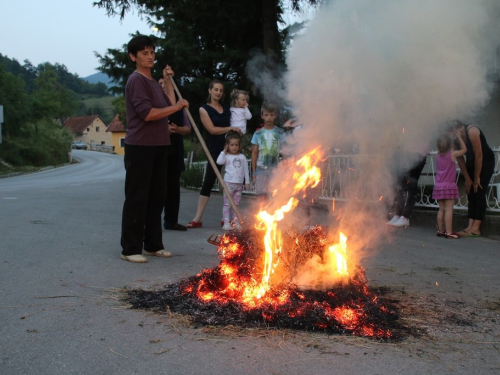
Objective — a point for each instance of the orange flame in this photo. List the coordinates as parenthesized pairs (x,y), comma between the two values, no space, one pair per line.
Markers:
(245,274)
(273,241)
(307,175)
(340,252)
(252,291)
(311,174)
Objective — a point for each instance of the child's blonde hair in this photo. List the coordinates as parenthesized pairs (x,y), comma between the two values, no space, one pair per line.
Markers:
(444,143)
(235,94)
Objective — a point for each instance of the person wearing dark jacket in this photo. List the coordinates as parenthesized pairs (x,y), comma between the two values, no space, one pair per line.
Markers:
(477,168)
(178,126)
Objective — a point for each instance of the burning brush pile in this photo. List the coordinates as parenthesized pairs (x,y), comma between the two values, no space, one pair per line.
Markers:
(269,276)
(233,293)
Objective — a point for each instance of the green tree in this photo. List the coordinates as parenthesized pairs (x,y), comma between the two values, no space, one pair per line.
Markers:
(119,106)
(98,89)
(14,99)
(50,99)
(28,72)
(204,40)
(116,64)
(214,14)
(96,109)
(19,148)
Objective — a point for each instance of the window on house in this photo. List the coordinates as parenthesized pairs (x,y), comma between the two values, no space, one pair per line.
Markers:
(122,142)
(88,129)
(97,129)
(103,143)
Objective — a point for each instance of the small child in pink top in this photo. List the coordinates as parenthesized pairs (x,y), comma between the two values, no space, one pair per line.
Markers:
(445,188)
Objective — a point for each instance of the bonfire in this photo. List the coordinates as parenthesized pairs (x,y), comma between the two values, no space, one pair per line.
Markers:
(282,277)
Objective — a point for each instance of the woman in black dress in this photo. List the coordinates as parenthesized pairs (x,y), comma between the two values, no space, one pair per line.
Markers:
(215,117)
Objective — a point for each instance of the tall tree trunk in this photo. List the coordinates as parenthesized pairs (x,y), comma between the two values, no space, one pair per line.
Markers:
(270,33)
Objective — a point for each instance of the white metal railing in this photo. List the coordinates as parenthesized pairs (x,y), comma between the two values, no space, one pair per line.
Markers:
(216,187)
(427,180)
(343,174)
(343,180)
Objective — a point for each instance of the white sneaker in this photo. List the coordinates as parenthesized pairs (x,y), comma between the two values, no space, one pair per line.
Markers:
(160,253)
(237,226)
(393,220)
(227,226)
(402,222)
(137,258)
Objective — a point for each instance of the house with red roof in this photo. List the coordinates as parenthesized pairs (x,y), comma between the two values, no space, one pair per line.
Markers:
(118,132)
(89,130)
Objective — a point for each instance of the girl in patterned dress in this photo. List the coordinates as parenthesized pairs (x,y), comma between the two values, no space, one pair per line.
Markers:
(445,188)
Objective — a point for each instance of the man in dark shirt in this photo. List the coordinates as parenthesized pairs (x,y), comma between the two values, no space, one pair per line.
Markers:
(178,127)
(146,155)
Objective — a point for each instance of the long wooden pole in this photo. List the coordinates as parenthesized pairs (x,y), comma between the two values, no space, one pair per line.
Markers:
(209,156)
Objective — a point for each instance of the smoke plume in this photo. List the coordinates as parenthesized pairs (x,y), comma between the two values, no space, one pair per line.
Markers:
(266,76)
(369,68)
(379,78)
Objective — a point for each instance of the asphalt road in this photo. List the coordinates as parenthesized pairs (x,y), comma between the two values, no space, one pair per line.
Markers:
(60,278)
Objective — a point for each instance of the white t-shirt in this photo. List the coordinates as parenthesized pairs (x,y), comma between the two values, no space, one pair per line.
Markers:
(236,168)
(269,142)
(239,117)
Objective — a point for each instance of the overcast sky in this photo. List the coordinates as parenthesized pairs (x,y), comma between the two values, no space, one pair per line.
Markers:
(64,31)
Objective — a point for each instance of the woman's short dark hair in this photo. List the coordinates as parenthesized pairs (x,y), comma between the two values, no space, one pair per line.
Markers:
(139,43)
(456,124)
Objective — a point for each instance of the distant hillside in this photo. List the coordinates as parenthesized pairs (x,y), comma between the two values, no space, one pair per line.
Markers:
(100,106)
(99,77)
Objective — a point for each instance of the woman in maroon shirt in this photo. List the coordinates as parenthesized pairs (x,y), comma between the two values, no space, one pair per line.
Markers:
(146,155)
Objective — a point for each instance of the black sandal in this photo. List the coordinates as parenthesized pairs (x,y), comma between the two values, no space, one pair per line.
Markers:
(176,226)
